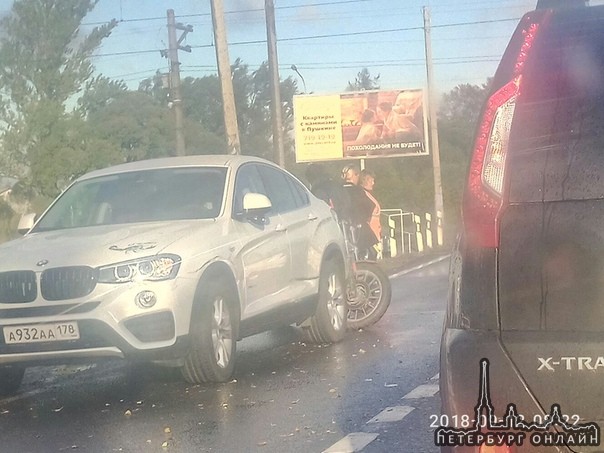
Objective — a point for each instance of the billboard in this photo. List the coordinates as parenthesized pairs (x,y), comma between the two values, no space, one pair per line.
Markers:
(362,124)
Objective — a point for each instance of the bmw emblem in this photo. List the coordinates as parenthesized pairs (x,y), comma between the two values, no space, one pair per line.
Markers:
(42,263)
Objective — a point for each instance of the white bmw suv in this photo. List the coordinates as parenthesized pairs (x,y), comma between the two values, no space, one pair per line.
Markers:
(170,260)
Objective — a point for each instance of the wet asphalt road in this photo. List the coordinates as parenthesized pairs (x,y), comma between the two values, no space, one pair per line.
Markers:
(287,395)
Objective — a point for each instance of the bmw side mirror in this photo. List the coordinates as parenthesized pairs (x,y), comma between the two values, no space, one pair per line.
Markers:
(26,223)
(256,206)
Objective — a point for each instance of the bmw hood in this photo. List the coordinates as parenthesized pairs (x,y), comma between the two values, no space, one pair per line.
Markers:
(98,245)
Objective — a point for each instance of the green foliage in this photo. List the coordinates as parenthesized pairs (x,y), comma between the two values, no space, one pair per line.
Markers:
(463,104)
(45,62)
(458,114)
(99,93)
(42,52)
(202,104)
(67,152)
(140,124)
(364,81)
(136,124)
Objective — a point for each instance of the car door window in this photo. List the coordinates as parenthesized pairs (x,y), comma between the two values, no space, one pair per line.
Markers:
(299,191)
(248,180)
(280,191)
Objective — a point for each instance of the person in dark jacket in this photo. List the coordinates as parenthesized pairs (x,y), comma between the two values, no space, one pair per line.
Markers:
(324,187)
(361,210)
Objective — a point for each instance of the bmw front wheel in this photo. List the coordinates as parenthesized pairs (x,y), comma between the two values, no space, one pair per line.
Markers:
(328,324)
(211,356)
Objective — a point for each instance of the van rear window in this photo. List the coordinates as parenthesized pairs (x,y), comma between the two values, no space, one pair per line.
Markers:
(557,138)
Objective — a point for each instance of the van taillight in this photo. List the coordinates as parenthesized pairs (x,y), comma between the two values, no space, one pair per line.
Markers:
(483,197)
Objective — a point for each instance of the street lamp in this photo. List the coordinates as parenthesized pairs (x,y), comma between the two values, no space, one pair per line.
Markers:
(294,68)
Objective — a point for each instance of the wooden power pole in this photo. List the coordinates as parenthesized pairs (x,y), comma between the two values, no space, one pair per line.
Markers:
(224,74)
(273,69)
(176,97)
(433,130)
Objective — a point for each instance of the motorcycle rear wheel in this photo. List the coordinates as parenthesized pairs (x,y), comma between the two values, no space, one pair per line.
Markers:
(372,296)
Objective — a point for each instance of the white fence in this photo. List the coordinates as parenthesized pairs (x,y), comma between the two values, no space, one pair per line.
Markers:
(408,232)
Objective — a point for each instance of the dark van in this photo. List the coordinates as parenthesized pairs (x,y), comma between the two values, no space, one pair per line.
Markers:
(522,350)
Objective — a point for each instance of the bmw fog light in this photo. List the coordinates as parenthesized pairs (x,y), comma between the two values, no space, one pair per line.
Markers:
(145,299)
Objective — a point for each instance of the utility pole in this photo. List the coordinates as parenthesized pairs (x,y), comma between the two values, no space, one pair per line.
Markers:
(273,69)
(433,130)
(224,74)
(173,46)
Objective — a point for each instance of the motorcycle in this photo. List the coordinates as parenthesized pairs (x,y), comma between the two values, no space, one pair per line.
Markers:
(369,292)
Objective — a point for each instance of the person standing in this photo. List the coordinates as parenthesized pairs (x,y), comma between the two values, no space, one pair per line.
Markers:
(325,188)
(367,181)
(361,208)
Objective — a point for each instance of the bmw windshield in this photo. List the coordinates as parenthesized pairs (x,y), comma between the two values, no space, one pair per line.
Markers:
(141,196)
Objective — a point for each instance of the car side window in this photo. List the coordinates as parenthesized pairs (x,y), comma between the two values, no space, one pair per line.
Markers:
(280,190)
(248,180)
(300,192)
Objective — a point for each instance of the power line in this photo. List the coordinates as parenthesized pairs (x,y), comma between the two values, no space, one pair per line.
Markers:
(352,65)
(333,35)
(243,11)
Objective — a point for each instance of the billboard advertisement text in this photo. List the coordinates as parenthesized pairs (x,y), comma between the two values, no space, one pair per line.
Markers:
(361,124)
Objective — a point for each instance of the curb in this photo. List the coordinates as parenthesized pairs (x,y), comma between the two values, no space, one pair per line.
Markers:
(418,266)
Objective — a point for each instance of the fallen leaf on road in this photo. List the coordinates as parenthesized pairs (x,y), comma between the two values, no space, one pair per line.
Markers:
(58,409)
(128,413)
(167,430)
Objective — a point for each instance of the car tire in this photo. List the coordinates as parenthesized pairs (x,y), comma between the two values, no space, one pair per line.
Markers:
(329,322)
(213,336)
(373,295)
(10,379)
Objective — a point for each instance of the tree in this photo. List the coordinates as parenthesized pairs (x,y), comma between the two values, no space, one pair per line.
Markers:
(364,81)
(44,64)
(99,93)
(202,104)
(135,124)
(463,103)
(459,112)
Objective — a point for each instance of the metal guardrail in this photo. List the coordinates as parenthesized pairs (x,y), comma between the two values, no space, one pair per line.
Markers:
(408,232)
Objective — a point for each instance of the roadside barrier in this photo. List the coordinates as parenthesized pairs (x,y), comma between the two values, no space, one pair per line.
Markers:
(409,232)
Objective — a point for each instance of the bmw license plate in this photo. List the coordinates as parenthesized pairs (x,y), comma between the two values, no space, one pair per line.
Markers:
(35,333)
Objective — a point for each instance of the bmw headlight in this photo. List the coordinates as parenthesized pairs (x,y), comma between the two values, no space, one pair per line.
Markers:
(151,268)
